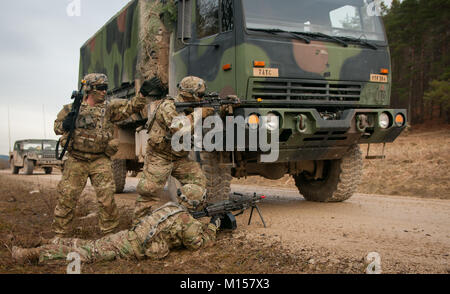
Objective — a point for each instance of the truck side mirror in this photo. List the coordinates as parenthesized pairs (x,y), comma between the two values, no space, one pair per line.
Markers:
(184,19)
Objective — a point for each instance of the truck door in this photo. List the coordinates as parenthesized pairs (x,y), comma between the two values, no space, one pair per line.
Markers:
(212,55)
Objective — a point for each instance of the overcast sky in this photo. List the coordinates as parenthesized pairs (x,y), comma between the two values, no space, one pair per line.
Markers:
(39,58)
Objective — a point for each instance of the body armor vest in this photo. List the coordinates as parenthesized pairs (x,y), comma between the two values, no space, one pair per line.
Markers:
(93,129)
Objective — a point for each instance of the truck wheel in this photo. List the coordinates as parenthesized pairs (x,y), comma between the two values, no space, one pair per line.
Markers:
(48,170)
(340,180)
(119,167)
(29,166)
(218,178)
(14,169)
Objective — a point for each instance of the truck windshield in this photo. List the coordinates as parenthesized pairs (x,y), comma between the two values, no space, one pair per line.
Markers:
(49,145)
(337,18)
(30,146)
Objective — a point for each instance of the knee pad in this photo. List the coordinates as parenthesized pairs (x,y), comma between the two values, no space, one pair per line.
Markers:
(148,188)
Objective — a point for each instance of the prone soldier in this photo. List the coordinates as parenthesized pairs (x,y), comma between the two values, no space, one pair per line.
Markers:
(167,227)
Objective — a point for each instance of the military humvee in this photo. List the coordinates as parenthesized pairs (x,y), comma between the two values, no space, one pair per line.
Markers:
(321,66)
(31,154)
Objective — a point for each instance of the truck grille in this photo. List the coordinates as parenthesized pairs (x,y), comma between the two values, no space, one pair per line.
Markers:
(327,136)
(286,89)
(50,155)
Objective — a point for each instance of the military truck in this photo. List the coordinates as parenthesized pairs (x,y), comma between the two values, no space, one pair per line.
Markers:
(31,154)
(321,66)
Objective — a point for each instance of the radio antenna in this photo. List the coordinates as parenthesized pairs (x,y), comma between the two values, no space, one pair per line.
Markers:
(43,115)
(9,131)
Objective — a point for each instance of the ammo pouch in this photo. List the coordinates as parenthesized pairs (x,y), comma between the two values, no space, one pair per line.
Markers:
(90,141)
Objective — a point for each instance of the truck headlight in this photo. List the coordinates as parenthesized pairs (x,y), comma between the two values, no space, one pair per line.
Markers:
(271,122)
(384,120)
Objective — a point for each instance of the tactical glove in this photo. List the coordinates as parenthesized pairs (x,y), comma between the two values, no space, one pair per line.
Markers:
(68,121)
(154,87)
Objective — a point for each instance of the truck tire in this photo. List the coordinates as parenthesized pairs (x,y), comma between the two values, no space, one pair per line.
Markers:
(14,169)
(340,181)
(29,166)
(119,167)
(218,178)
(48,170)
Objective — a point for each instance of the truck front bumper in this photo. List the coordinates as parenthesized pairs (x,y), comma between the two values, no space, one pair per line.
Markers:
(305,134)
(49,163)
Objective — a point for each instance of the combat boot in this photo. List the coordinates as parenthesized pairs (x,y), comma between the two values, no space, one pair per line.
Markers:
(22,255)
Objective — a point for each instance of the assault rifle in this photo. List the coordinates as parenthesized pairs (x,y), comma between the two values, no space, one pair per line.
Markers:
(77,96)
(223,210)
(211,100)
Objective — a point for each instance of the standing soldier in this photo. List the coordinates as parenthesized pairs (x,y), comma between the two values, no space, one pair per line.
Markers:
(90,151)
(161,160)
(169,226)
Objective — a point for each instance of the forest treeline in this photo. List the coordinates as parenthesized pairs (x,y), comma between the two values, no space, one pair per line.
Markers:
(418,33)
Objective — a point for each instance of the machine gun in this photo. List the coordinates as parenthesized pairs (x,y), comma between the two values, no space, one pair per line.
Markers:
(77,96)
(211,100)
(223,210)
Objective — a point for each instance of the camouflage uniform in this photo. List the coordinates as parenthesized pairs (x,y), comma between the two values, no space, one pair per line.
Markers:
(161,160)
(89,157)
(170,226)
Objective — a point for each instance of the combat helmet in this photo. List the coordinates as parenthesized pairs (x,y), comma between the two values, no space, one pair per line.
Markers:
(94,79)
(192,196)
(192,87)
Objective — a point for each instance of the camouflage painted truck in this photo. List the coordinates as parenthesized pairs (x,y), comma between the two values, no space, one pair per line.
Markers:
(321,66)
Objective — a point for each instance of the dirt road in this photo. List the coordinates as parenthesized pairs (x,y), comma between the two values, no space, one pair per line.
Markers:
(411,235)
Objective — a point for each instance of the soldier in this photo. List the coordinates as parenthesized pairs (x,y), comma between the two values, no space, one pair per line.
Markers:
(89,153)
(167,227)
(161,160)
